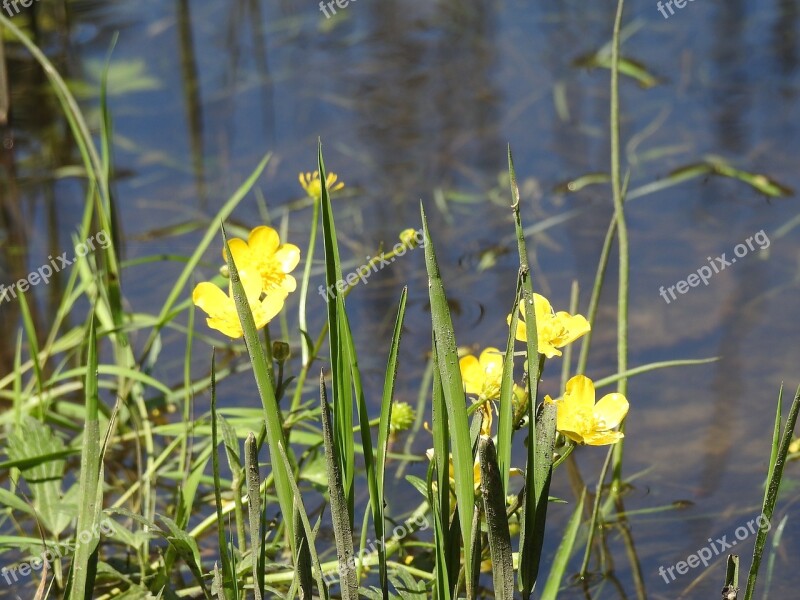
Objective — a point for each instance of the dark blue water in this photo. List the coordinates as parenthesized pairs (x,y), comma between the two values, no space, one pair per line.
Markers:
(417,101)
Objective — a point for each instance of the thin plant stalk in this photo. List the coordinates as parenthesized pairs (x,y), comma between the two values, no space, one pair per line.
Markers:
(622,237)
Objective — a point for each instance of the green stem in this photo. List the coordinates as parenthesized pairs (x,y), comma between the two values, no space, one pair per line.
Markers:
(622,236)
(595,513)
(594,301)
(301,319)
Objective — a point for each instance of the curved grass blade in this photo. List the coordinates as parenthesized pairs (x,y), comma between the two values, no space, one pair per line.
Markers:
(308,565)
(447,552)
(224,212)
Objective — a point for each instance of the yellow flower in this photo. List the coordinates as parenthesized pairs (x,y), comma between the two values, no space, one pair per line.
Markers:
(555,330)
(312,184)
(221,307)
(482,376)
(476,471)
(583,421)
(519,403)
(271,259)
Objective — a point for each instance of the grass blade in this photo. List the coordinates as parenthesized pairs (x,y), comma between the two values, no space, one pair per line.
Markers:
(454,399)
(731,589)
(563,553)
(84,565)
(272,413)
(383,441)
(342,528)
(494,504)
(771,497)
(440,535)
(254,509)
(505,427)
(531,538)
(441,460)
(227,589)
(337,334)
(224,212)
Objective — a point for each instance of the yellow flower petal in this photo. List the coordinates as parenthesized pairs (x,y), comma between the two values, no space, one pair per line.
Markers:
(572,327)
(579,395)
(610,410)
(263,253)
(271,305)
(482,376)
(288,256)
(554,331)
(263,240)
(471,374)
(210,298)
(542,306)
(602,438)
(312,185)
(219,307)
(492,362)
(486,419)
(239,250)
(583,421)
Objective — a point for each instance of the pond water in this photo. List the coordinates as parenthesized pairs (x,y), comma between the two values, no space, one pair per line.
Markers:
(417,101)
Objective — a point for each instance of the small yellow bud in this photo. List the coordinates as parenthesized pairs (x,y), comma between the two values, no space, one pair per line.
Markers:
(403,417)
(409,238)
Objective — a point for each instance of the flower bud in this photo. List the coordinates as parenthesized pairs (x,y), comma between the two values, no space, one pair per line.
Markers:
(281,351)
(403,417)
(409,238)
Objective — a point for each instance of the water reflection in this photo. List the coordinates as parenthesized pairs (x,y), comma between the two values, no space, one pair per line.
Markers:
(419,104)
